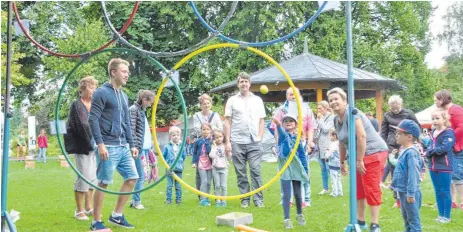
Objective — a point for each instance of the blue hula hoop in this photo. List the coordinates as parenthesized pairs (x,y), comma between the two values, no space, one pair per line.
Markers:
(257,44)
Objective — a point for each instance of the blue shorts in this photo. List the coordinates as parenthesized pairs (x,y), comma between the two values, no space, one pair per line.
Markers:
(457,176)
(119,158)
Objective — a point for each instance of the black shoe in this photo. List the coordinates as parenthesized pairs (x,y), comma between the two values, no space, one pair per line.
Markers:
(375,228)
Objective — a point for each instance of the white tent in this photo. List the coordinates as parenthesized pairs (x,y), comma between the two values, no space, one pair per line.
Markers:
(424,117)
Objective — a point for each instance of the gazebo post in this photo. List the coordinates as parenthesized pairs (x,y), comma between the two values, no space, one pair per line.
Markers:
(379,105)
(319,95)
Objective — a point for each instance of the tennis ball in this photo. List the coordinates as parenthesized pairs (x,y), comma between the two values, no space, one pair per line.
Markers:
(263,89)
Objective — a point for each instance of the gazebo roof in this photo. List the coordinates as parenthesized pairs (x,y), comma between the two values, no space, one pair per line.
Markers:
(307,67)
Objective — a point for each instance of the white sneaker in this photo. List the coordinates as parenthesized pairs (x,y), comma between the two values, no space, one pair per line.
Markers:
(323,192)
(139,206)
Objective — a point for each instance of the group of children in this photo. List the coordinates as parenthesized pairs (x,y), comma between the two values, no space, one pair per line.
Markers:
(42,142)
(409,165)
(209,158)
(211,161)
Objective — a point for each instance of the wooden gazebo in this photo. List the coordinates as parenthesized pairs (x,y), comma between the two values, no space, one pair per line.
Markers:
(314,76)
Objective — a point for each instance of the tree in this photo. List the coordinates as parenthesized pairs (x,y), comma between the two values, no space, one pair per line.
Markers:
(451,75)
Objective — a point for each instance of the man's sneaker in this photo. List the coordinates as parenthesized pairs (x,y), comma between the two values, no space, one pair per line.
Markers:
(97,226)
(288,224)
(178,202)
(139,206)
(205,202)
(444,220)
(300,220)
(437,219)
(375,228)
(454,205)
(260,205)
(323,192)
(244,204)
(120,221)
(168,202)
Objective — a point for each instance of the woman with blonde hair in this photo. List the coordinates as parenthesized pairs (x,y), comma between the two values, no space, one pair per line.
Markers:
(371,156)
(79,141)
(325,124)
(206,115)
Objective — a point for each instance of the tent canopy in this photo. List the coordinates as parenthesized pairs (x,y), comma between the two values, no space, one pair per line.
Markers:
(424,117)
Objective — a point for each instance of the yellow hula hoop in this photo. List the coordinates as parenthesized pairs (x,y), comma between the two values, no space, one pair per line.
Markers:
(299,125)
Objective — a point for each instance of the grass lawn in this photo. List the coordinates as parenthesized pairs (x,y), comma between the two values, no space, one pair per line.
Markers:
(45,198)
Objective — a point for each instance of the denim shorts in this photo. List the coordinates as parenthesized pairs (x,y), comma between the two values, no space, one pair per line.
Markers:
(119,158)
(457,176)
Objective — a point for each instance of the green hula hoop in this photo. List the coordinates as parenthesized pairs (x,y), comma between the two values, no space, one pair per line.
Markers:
(152,61)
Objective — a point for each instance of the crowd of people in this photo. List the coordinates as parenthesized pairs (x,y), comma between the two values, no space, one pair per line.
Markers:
(106,135)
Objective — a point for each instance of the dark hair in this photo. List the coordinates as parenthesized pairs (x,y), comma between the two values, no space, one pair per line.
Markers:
(444,95)
(146,94)
(368,114)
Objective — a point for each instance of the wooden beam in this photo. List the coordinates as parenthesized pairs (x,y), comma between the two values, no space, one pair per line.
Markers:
(284,86)
(379,105)
(319,95)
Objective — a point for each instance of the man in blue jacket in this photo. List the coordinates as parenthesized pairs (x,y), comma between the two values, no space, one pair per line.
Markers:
(110,122)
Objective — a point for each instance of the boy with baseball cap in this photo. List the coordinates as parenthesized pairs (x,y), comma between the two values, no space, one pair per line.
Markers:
(406,178)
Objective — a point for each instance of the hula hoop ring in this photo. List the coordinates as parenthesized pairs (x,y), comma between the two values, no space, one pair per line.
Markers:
(83,55)
(299,126)
(60,141)
(255,44)
(167,54)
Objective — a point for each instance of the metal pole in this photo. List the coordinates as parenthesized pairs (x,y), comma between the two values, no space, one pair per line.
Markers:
(7,116)
(353,226)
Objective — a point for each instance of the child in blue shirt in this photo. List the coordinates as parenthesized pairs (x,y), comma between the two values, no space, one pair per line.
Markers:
(297,172)
(406,178)
(171,150)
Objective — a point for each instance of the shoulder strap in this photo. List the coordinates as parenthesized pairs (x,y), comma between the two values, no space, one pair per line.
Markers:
(211,117)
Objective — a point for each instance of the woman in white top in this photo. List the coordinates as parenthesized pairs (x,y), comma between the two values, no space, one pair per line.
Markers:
(205,115)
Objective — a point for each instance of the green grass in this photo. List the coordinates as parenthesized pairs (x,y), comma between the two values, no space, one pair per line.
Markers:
(45,198)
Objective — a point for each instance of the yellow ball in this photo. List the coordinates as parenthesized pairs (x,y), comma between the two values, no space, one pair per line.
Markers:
(263,89)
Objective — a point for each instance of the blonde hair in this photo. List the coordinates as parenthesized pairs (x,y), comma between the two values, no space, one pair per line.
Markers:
(85,82)
(173,129)
(325,105)
(338,91)
(114,64)
(205,97)
(146,94)
(395,99)
(444,116)
(243,75)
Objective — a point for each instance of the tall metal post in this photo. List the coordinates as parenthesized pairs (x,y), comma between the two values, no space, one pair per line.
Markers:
(353,225)
(6,128)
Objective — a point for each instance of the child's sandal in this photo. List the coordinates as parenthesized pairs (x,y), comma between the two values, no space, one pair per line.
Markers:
(81,218)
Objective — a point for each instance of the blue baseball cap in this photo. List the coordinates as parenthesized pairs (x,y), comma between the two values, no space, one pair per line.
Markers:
(409,126)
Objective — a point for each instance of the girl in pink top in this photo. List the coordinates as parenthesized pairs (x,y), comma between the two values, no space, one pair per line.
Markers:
(219,166)
(202,162)
(42,141)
